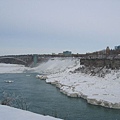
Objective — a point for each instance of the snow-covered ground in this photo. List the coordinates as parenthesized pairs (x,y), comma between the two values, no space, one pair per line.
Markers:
(12,68)
(9,113)
(96,90)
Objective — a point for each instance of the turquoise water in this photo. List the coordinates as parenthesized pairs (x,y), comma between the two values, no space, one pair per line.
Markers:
(46,99)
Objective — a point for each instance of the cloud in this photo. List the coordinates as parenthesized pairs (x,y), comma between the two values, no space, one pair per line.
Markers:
(77,25)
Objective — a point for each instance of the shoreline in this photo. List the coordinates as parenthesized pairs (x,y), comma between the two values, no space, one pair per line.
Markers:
(87,87)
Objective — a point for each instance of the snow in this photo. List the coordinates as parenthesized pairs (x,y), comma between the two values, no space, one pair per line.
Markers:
(55,65)
(12,68)
(9,113)
(96,90)
(99,89)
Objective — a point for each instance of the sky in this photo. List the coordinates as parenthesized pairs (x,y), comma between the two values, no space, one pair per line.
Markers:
(54,26)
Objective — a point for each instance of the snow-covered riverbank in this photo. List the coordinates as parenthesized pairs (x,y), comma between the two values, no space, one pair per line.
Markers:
(103,91)
(9,113)
(96,90)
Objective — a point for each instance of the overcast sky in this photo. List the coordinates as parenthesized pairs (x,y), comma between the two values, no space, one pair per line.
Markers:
(53,26)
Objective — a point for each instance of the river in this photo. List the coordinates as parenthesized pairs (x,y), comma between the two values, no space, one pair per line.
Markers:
(46,99)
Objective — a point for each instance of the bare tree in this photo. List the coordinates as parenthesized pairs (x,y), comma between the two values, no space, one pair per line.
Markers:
(14,101)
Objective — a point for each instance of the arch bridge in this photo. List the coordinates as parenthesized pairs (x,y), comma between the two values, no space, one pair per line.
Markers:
(16,60)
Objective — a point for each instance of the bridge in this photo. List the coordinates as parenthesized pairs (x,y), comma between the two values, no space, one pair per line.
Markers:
(26,60)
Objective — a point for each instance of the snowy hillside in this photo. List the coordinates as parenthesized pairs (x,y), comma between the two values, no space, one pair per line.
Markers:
(53,65)
(56,65)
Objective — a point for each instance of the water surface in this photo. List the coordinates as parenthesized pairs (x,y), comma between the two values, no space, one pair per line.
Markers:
(46,99)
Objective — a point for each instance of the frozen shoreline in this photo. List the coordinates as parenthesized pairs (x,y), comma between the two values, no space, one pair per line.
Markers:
(96,90)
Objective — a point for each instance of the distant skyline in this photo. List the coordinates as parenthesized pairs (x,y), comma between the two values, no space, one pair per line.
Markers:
(54,26)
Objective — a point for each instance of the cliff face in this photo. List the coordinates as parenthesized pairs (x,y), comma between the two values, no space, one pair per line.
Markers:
(108,63)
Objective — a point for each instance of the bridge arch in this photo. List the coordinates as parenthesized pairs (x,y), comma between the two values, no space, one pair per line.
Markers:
(12,60)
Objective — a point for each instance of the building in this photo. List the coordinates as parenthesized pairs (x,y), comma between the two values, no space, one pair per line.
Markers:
(117,47)
(67,53)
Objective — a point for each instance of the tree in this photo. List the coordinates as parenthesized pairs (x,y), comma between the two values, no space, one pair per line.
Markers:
(14,101)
